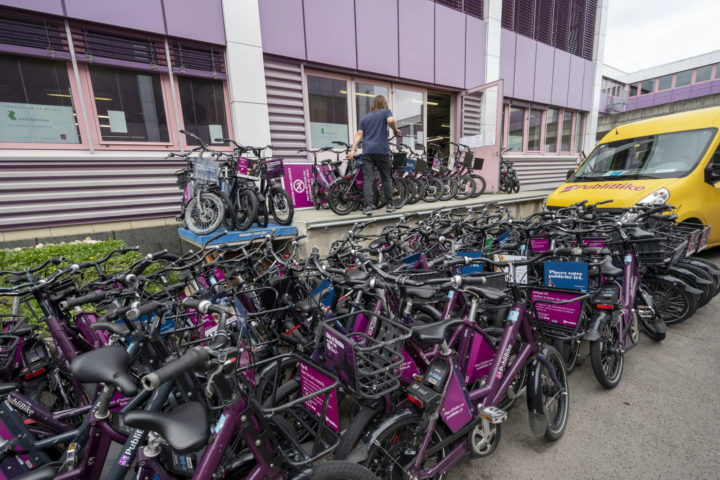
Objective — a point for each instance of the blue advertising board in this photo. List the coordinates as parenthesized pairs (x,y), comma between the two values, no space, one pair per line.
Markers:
(570,275)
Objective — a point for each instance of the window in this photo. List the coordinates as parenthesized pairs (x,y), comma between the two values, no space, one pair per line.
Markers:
(516,129)
(129,105)
(566,131)
(633,90)
(364,94)
(664,83)
(551,130)
(683,78)
(35,102)
(534,124)
(647,86)
(579,127)
(328,108)
(702,74)
(438,119)
(717,70)
(409,115)
(203,108)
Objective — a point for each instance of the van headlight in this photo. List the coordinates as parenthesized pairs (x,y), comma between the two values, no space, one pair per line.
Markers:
(656,197)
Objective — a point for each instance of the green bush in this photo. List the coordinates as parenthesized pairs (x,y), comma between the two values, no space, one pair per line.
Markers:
(16,260)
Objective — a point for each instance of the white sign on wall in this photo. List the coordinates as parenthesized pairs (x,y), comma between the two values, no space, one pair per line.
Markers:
(472,141)
(323,134)
(31,123)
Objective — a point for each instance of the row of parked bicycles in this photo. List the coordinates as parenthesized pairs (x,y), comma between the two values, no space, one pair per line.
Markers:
(393,355)
(231,189)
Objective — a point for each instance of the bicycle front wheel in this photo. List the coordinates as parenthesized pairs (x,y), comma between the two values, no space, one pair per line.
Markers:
(281,206)
(246,206)
(466,188)
(204,213)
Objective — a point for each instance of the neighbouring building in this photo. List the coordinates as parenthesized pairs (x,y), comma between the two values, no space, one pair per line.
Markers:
(93,92)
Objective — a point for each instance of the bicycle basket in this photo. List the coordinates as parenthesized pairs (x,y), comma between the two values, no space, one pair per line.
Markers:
(557,312)
(421,166)
(206,169)
(183,178)
(243,165)
(399,160)
(9,343)
(479,162)
(275,168)
(364,349)
(659,252)
(468,159)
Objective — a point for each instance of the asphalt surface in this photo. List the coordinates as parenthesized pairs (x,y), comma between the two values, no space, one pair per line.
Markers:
(661,422)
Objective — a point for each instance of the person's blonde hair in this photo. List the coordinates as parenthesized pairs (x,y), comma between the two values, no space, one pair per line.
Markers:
(378,103)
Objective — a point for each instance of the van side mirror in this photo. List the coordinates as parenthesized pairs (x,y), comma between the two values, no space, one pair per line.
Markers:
(569,173)
(712,174)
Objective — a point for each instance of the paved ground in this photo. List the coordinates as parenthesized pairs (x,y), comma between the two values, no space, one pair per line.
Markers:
(661,422)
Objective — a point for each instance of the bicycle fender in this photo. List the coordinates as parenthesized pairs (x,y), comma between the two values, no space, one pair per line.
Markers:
(714,270)
(597,322)
(695,278)
(536,409)
(361,450)
(684,285)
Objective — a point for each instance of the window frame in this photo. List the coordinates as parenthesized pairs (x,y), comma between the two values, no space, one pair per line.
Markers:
(228,116)
(710,75)
(75,98)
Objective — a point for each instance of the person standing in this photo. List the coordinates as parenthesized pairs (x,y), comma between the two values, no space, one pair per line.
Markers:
(373,132)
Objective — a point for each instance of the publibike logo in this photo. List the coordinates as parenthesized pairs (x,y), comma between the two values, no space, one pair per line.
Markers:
(11,115)
(605,186)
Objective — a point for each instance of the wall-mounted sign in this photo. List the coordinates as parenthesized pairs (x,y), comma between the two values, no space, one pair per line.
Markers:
(323,134)
(30,123)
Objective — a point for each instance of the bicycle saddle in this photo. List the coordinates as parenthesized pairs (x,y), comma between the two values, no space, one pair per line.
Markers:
(424,293)
(607,269)
(355,275)
(434,333)
(307,305)
(112,327)
(491,295)
(6,388)
(185,428)
(107,365)
(638,233)
(46,472)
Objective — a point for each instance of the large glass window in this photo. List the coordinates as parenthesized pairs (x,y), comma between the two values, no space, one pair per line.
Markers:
(534,124)
(328,110)
(665,82)
(129,105)
(438,119)
(516,129)
(364,94)
(203,108)
(702,74)
(579,127)
(566,131)
(683,78)
(409,114)
(647,86)
(633,90)
(35,102)
(551,130)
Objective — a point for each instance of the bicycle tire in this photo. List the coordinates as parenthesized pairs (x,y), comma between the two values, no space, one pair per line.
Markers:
(480,185)
(703,271)
(709,266)
(670,298)
(399,192)
(555,426)
(450,188)
(341,470)
(602,351)
(466,187)
(279,199)
(433,190)
(356,429)
(205,218)
(262,216)
(229,217)
(338,197)
(315,196)
(516,185)
(412,189)
(246,206)
(690,276)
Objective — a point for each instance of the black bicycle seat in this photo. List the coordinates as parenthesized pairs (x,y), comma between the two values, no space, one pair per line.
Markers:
(607,269)
(46,472)
(6,388)
(424,293)
(640,234)
(307,305)
(355,275)
(491,295)
(185,428)
(116,328)
(107,365)
(434,333)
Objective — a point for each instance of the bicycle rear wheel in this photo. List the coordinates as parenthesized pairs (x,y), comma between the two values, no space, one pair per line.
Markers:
(466,187)
(433,190)
(204,213)
(281,206)
(479,185)
(340,470)
(246,206)
(450,188)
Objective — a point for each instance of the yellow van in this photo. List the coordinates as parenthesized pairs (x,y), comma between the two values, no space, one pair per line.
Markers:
(674,158)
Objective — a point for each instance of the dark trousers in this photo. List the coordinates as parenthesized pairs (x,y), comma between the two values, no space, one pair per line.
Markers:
(370,162)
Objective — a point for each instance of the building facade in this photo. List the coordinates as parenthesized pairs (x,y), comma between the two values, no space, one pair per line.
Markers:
(93,93)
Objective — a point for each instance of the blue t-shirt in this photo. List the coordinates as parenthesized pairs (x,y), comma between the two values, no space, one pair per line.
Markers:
(375,135)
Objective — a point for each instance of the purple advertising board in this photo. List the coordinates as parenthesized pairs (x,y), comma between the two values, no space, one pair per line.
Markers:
(540,244)
(565,315)
(298,183)
(456,411)
(311,381)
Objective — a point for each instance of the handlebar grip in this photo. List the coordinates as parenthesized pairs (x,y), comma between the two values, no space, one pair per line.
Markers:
(205,306)
(142,309)
(315,253)
(129,249)
(456,261)
(91,297)
(190,360)
(155,255)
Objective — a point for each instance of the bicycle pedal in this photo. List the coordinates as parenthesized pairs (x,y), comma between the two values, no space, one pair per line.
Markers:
(494,414)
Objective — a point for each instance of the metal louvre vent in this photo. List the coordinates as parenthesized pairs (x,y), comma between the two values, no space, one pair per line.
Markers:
(589,31)
(544,21)
(525,17)
(471,7)
(283,79)
(508,14)
(561,25)
(187,57)
(23,29)
(93,43)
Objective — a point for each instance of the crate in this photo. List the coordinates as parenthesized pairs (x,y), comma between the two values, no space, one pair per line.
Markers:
(365,350)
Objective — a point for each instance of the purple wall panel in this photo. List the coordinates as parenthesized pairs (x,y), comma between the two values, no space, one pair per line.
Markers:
(645,101)
(282,33)
(417,21)
(700,89)
(507,61)
(43,6)
(588,79)
(681,93)
(575,82)
(544,60)
(377,52)
(146,15)
(561,75)
(193,20)
(631,103)
(330,32)
(449,47)
(474,52)
(524,68)
(715,88)
(662,97)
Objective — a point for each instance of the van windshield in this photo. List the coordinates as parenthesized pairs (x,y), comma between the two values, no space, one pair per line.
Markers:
(668,155)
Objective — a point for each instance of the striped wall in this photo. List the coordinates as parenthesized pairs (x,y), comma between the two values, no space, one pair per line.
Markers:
(283,81)
(539,172)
